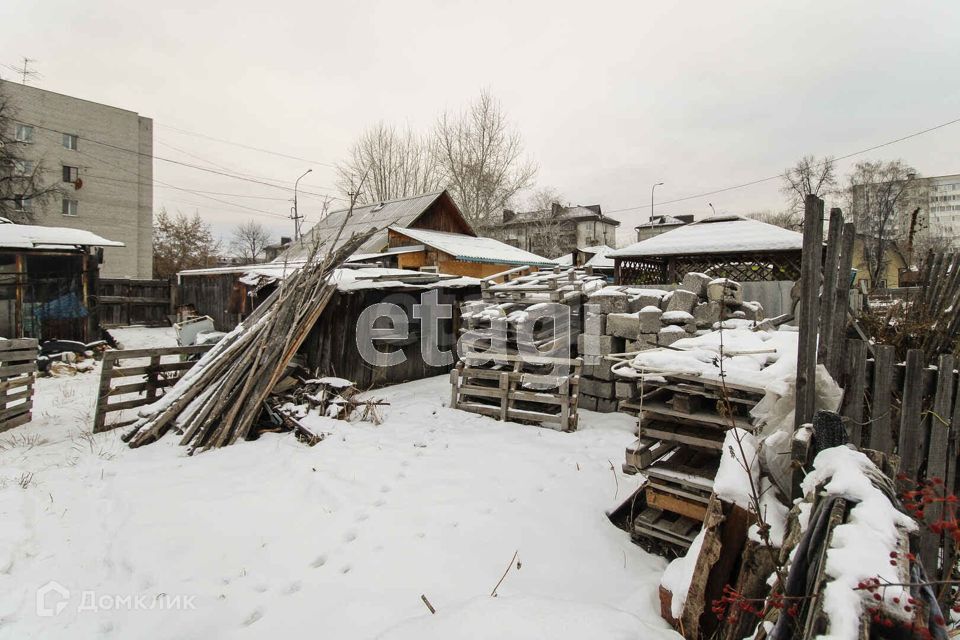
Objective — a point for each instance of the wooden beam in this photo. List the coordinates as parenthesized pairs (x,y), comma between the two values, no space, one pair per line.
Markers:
(809,310)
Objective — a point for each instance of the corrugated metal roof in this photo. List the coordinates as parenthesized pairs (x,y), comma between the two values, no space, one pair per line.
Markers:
(28,236)
(381,215)
(475,249)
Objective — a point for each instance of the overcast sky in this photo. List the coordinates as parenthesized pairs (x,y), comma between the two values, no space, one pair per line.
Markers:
(609,97)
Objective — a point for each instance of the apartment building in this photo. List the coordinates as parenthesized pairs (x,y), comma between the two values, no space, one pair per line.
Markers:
(100,158)
(943,203)
(556,231)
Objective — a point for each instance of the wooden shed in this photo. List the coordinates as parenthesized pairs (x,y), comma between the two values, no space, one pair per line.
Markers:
(456,253)
(733,247)
(48,282)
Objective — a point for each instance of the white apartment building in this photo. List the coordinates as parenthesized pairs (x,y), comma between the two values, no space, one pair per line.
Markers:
(943,203)
(101,158)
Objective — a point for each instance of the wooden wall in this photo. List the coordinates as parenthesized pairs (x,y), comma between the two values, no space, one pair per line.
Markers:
(443,215)
(218,295)
(126,301)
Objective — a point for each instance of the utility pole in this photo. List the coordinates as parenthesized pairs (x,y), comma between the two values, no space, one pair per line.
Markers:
(295,215)
(652,189)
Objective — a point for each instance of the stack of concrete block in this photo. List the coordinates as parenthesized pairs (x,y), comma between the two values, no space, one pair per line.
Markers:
(625,319)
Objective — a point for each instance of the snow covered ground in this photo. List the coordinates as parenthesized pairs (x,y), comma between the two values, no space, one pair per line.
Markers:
(272,538)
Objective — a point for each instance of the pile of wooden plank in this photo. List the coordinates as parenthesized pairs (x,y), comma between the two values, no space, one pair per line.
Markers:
(683,421)
(515,363)
(219,401)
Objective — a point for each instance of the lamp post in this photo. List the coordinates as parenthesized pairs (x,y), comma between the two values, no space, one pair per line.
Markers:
(652,189)
(296,215)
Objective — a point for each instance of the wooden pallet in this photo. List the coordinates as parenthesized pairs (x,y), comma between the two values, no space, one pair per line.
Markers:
(644,452)
(18,369)
(665,527)
(514,394)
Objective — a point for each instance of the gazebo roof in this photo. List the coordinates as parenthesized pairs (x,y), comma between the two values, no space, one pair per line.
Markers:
(719,235)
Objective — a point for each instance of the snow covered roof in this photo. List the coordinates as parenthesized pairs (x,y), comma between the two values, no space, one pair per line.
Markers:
(28,236)
(599,256)
(717,234)
(474,249)
(380,215)
(566,260)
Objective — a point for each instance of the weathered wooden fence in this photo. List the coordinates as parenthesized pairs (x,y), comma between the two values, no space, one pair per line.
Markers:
(125,301)
(18,367)
(139,383)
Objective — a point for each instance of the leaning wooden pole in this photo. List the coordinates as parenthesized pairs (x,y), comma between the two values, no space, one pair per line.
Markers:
(809,313)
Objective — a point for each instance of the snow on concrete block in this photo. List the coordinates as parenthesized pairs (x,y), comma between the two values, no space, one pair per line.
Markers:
(670,334)
(682,300)
(726,291)
(596,388)
(640,298)
(594,322)
(623,325)
(676,317)
(665,301)
(610,300)
(696,282)
(649,318)
(706,313)
(752,310)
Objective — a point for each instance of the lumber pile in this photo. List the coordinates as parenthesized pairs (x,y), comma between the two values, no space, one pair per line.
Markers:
(219,401)
(625,319)
(515,356)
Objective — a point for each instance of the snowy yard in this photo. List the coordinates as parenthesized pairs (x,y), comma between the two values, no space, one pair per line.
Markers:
(272,538)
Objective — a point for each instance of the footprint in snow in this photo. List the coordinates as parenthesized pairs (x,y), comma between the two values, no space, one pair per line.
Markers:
(319,561)
(253,617)
(293,587)
(385,489)
(345,569)
(350,536)
(362,516)
(379,502)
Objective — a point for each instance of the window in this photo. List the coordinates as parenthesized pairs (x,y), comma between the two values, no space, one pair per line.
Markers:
(70,141)
(22,167)
(21,203)
(69,207)
(24,133)
(70,174)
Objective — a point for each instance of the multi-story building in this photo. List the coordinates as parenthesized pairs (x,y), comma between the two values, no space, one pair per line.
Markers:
(943,203)
(100,158)
(556,231)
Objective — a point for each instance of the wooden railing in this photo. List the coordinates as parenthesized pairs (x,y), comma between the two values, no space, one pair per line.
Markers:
(138,384)
(18,368)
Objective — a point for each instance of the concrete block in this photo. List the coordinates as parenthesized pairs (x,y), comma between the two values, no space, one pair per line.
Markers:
(670,334)
(726,291)
(696,282)
(596,388)
(623,325)
(606,406)
(682,300)
(649,318)
(642,345)
(665,301)
(676,317)
(587,402)
(603,371)
(625,390)
(588,369)
(599,345)
(706,313)
(594,322)
(590,360)
(752,311)
(610,300)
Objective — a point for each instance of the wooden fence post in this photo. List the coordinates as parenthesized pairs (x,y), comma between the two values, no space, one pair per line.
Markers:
(938,437)
(831,266)
(881,436)
(912,436)
(856,386)
(809,309)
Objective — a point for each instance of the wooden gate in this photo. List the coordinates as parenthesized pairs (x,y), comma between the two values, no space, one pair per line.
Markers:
(125,301)
(18,367)
(139,383)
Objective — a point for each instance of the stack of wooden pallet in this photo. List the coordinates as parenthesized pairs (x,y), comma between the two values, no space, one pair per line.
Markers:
(516,362)
(683,421)
(18,367)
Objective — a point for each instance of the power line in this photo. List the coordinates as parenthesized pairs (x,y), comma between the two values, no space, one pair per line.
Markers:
(186,164)
(246,146)
(780,175)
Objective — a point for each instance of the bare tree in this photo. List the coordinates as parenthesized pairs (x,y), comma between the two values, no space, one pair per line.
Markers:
(808,175)
(22,188)
(881,196)
(181,242)
(481,158)
(249,241)
(788,218)
(397,164)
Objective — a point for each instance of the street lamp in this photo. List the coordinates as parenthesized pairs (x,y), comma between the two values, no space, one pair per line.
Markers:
(652,189)
(295,215)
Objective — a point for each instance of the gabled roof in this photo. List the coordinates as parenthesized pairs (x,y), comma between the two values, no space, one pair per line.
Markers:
(473,249)
(717,234)
(401,213)
(28,236)
(571,212)
(599,256)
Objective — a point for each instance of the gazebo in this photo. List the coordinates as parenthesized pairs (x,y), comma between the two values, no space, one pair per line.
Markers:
(723,246)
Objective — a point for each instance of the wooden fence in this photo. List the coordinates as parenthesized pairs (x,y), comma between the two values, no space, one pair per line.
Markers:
(125,301)
(138,383)
(18,367)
